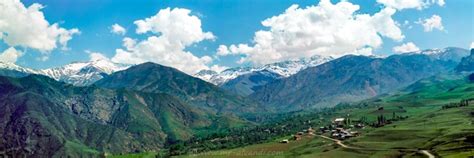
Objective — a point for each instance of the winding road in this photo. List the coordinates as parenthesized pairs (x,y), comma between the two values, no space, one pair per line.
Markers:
(339,142)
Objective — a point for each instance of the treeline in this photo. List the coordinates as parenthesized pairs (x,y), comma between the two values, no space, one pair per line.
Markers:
(238,137)
(382,120)
(462,103)
(275,126)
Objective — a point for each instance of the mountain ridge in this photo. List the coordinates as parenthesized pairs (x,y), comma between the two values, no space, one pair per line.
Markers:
(350,78)
(76,73)
(58,119)
(283,69)
(152,77)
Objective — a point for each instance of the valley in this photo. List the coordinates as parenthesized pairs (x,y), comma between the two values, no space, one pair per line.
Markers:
(428,128)
(236,79)
(422,107)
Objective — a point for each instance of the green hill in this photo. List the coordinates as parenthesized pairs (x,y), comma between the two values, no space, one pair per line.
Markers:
(155,78)
(44,118)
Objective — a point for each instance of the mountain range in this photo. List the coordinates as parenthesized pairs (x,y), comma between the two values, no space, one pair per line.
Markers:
(281,69)
(87,108)
(42,117)
(353,78)
(154,78)
(77,73)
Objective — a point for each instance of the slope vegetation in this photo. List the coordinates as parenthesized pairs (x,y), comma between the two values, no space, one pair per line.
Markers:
(43,117)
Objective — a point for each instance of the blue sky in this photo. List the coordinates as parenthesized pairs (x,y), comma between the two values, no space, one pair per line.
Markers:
(230,21)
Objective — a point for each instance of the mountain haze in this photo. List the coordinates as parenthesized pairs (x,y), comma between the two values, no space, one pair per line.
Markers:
(467,63)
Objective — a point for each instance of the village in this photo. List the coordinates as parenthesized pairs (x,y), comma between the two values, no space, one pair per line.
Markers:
(340,128)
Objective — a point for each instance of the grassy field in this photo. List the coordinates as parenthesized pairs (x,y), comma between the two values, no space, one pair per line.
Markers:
(442,132)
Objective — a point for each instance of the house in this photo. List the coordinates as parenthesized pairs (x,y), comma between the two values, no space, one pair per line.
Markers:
(359,125)
(310,131)
(354,133)
(339,121)
(297,137)
(341,133)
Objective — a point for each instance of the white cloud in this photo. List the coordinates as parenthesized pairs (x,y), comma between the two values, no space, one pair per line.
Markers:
(326,29)
(409,4)
(441,2)
(42,58)
(117,29)
(176,25)
(472,45)
(173,30)
(95,56)
(223,50)
(10,55)
(435,22)
(27,27)
(129,43)
(403,4)
(407,47)
(218,68)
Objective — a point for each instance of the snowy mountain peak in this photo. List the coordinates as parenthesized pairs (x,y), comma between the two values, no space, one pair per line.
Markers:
(12,66)
(83,73)
(76,73)
(446,54)
(284,68)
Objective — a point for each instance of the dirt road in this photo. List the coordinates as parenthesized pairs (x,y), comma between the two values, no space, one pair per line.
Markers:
(339,142)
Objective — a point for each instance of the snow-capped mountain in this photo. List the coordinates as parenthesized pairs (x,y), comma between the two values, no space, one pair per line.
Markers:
(77,73)
(445,54)
(10,69)
(206,75)
(11,66)
(83,73)
(284,69)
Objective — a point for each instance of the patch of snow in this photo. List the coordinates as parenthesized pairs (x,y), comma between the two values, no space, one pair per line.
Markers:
(285,69)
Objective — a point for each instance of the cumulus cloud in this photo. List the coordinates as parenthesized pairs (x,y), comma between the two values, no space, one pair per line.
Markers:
(27,27)
(409,4)
(472,45)
(441,2)
(218,68)
(10,55)
(172,31)
(222,50)
(429,24)
(407,47)
(94,56)
(325,29)
(117,29)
